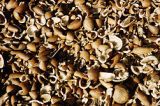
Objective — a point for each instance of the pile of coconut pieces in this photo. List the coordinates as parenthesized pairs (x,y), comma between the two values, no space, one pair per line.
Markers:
(79,52)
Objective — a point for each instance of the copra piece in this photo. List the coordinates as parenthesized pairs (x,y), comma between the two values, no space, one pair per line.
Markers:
(142,50)
(117,42)
(149,60)
(121,94)
(3,20)
(1,61)
(106,76)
